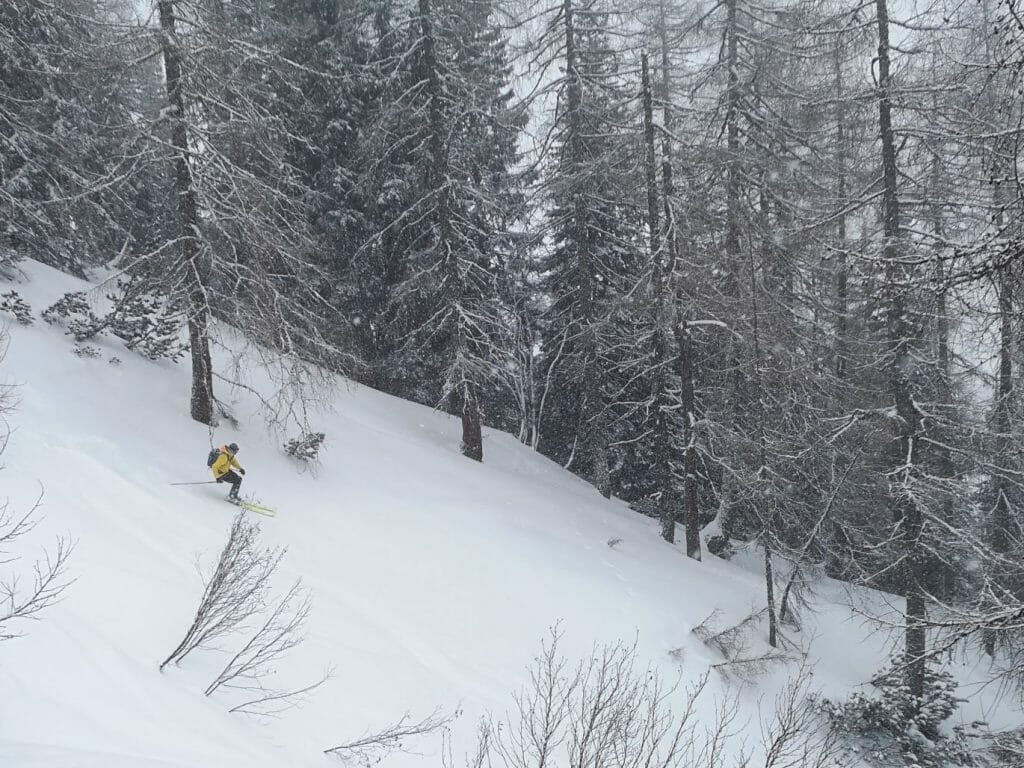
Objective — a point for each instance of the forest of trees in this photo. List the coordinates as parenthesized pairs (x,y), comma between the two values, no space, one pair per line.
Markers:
(754,268)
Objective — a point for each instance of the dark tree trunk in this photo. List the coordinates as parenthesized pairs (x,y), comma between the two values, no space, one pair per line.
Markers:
(593,441)
(835,567)
(1001,524)
(909,517)
(737,403)
(691,515)
(472,434)
(763,474)
(1003,175)
(769,582)
(943,575)
(732,146)
(842,300)
(685,361)
(194,269)
(662,439)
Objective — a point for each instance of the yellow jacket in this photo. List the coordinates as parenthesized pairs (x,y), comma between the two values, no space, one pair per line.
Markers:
(224,463)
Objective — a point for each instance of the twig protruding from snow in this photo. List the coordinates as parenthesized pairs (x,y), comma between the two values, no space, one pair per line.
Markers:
(374,746)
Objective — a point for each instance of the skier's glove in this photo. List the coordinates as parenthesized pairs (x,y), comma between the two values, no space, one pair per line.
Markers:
(242,471)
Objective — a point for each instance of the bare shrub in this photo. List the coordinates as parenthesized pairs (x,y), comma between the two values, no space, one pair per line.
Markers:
(234,593)
(747,670)
(374,746)
(606,712)
(224,412)
(538,725)
(273,701)
(603,711)
(796,595)
(251,668)
(733,641)
(481,755)
(296,386)
(21,601)
(280,632)
(794,736)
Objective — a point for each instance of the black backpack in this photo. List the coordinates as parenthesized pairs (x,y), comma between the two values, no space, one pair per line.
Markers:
(213,456)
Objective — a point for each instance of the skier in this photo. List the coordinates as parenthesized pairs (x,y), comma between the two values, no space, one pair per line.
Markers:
(223,472)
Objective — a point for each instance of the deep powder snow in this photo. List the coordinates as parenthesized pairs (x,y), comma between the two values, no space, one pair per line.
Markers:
(433,579)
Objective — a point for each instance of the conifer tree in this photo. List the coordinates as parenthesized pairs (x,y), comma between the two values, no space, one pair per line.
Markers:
(65,145)
(592,259)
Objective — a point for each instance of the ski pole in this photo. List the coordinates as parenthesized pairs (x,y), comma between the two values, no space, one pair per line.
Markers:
(204,482)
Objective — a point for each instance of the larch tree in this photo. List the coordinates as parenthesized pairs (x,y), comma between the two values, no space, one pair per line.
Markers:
(243,254)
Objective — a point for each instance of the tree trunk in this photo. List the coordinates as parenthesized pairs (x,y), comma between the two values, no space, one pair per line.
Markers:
(691,515)
(593,442)
(685,362)
(763,474)
(842,293)
(193,266)
(732,147)
(662,439)
(1001,524)
(1003,176)
(909,517)
(731,285)
(472,433)
(943,576)
(834,567)
(769,587)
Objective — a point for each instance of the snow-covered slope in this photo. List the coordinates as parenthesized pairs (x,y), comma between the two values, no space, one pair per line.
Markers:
(434,579)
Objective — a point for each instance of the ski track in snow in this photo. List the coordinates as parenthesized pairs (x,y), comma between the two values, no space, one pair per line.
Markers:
(434,579)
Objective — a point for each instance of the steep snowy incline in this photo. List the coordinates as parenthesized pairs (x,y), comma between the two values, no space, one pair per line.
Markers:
(433,578)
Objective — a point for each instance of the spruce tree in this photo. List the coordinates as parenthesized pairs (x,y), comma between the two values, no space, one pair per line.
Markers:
(592,256)
(65,144)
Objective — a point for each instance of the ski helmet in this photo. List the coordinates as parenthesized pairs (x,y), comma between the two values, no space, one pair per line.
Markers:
(233,447)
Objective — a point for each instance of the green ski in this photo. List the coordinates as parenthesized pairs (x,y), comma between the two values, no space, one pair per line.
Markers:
(252,506)
(259,509)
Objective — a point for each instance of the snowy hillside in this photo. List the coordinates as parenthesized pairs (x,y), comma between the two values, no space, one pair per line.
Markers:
(434,579)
